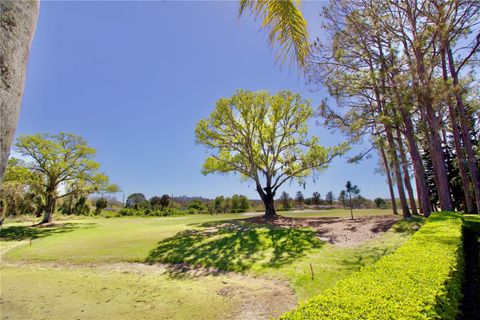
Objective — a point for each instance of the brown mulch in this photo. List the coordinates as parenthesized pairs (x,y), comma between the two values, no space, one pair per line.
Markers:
(343,232)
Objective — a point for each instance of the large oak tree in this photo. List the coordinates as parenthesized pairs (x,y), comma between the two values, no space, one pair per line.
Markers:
(265,138)
(65,165)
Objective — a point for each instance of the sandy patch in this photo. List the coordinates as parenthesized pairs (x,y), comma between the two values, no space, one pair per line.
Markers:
(342,232)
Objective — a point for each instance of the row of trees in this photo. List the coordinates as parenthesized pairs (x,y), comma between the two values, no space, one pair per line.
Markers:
(300,200)
(349,197)
(395,69)
(234,204)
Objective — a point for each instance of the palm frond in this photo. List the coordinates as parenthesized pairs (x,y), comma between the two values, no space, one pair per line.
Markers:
(286,25)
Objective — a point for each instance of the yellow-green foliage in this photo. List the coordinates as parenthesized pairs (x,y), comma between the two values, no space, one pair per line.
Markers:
(421,280)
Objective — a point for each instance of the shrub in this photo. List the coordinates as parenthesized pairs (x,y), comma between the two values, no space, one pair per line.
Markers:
(421,280)
(192,211)
(100,204)
(109,214)
(155,213)
(380,203)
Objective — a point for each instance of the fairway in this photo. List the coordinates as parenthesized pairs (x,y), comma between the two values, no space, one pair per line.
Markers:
(201,266)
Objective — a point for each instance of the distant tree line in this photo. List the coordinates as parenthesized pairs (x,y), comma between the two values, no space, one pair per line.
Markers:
(137,204)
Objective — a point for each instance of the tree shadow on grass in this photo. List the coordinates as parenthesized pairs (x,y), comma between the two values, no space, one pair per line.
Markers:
(17,233)
(234,246)
(470,305)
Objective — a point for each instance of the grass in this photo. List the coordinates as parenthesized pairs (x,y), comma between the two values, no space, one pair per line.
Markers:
(99,240)
(265,255)
(35,293)
(236,246)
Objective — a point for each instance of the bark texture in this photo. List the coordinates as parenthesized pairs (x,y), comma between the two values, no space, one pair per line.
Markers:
(471,161)
(406,175)
(397,172)
(457,141)
(389,180)
(17,26)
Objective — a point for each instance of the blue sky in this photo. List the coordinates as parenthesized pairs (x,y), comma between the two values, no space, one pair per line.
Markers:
(133,79)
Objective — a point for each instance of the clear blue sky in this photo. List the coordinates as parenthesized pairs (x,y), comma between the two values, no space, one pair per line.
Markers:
(133,78)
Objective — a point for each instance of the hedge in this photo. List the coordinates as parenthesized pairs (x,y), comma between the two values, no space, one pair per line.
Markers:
(421,280)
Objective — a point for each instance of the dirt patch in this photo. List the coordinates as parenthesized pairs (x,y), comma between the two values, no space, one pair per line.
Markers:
(256,300)
(250,297)
(342,232)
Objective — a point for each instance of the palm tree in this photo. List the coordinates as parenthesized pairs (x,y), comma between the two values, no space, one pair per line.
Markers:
(17,23)
(286,25)
(351,190)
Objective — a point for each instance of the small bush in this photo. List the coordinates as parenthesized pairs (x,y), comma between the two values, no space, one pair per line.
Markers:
(421,280)
(109,214)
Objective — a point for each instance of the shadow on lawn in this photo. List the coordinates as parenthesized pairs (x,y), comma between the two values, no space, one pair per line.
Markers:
(471,285)
(17,233)
(234,246)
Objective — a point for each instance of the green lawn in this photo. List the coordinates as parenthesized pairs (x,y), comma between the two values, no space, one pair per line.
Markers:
(86,263)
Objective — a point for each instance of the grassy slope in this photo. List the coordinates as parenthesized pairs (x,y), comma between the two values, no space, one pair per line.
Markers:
(24,289)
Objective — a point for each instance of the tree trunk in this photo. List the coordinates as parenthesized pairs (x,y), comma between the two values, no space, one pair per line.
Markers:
(465,129)
(438,161)
(389,180)
(396,171)
(351,207)
(406,176)
(269,207)
(457,143)
(419,197)
(267,197)
(420,179)
(17,26)
(418,170)
(424,99)
(49,208)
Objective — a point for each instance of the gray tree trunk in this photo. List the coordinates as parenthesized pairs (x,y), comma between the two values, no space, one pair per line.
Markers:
(471,161)
(424,198)
(17,26)
(406,176)
(389,180)
(396,170)
(457,143)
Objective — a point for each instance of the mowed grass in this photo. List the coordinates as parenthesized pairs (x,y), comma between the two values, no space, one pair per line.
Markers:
(264,256)
(121,239)
(99,240)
